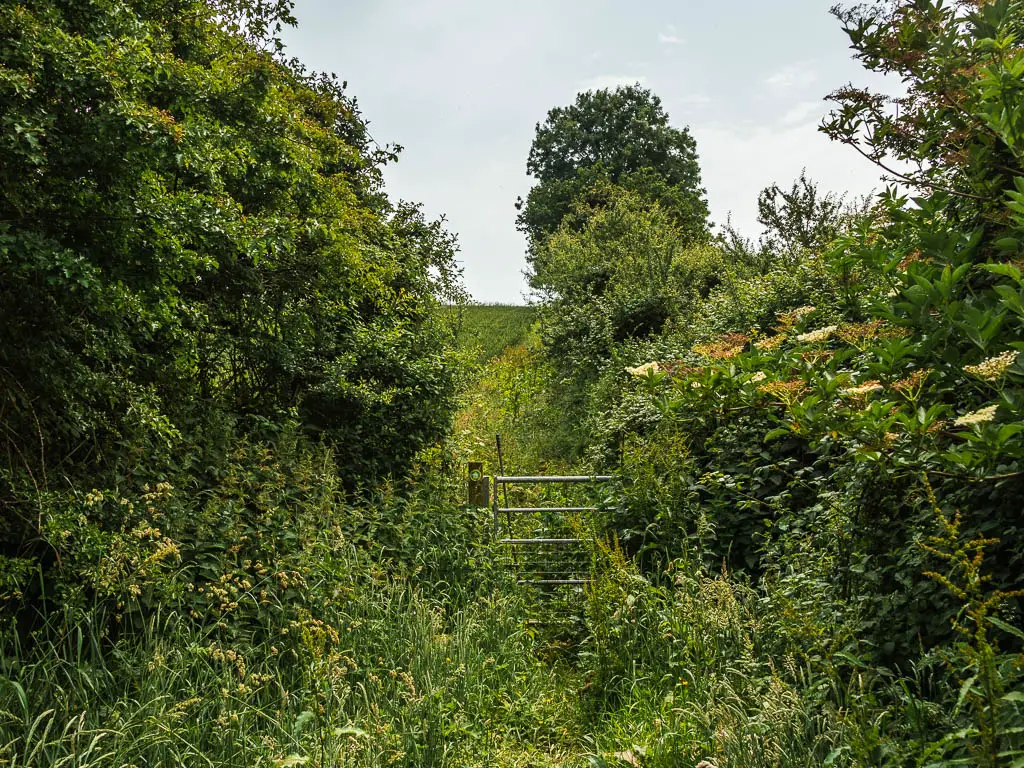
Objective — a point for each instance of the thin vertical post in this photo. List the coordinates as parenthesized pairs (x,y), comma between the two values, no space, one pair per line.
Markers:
(494,508)
(504,490)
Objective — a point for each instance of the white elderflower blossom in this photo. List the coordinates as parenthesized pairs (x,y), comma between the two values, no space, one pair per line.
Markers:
(863,389)
(643,370)
(994,367)
(813,337)
(980,416)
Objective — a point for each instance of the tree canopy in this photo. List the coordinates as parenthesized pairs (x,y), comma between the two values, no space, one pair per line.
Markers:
(191,225)
(622,136)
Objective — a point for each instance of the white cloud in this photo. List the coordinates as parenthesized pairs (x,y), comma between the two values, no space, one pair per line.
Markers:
(791,76)
(803,112)
(670,36)
(610,81)
(687,101)
(738,160)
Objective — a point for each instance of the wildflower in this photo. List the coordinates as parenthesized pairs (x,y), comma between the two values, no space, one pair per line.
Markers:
(794,316)
(729,345)
(771,343)
(980,416)
(889,332)
(863,389)
(852,333)
(813,337)
(759,376)
(912,382)
(717,351)
(679,368)
(994,367)
(643,370)
(784,390)
(909,259)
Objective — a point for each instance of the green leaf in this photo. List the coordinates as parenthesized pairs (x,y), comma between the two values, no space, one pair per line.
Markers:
(1006,627)
(831,758)
(965,688)
(1011,298)
(852,660)
(1008,244)
(22,696)
(301,721)
(350,730)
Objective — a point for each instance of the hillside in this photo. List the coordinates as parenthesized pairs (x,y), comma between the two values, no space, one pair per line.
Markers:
(486,330)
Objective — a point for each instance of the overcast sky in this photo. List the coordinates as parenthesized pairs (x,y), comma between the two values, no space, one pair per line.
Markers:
(461,85)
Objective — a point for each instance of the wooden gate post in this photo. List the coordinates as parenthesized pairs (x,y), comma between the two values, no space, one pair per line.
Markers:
(479,485)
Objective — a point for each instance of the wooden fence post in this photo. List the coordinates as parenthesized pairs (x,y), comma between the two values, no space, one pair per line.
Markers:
(479,485)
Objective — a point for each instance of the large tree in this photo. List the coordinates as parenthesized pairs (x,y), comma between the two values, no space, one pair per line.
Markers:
(190,224)
(622,136)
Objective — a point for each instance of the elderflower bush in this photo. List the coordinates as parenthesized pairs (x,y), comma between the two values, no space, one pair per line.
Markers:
(859,408)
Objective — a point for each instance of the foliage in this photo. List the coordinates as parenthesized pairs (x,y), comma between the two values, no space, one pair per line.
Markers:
(365,670)
(515,397)
(621,137)
(986,673)
(800,221)
(231,535)
(956,130)
(619,275)
(181,277)
(224,356)
(793,428)
(830,414)
(161,252)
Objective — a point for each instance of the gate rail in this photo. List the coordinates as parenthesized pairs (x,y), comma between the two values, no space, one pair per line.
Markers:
(483,492)
(539,480)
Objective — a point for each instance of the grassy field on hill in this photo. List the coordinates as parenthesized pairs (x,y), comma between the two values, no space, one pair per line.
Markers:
(492,328)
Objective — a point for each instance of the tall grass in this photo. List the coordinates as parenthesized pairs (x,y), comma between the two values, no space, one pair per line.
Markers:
(391,635)
(388,674)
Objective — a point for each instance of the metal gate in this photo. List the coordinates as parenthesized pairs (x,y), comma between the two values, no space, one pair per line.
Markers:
(551,554)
